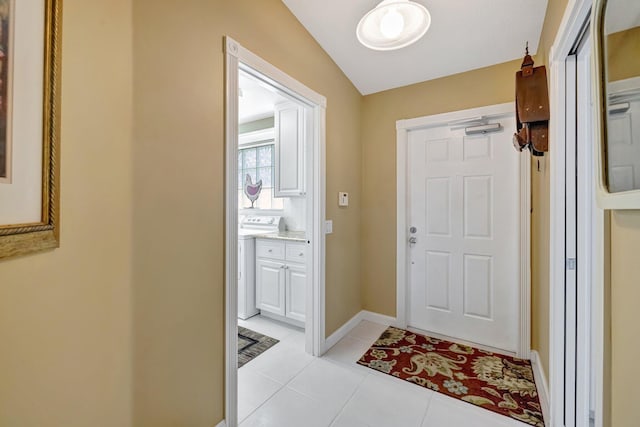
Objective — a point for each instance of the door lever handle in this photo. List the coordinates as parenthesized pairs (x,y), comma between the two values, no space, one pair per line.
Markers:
(413,240)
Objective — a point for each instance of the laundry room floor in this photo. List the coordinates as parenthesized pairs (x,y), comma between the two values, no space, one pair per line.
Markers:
(285,387)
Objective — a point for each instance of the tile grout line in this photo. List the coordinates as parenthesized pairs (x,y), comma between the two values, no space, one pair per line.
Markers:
(286,385)
(337,363)
(426,412)
(364,377)
(282,386)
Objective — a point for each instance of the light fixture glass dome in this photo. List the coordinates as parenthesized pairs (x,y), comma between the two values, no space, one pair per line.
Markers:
(393,24)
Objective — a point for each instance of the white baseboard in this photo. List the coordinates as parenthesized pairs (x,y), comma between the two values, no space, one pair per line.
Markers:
(342,331)
(541,383)
(353,322)
(378,318)
(222,423)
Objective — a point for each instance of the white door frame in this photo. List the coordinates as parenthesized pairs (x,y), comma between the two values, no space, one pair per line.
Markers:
(576,15)
(403,127)
(236,58)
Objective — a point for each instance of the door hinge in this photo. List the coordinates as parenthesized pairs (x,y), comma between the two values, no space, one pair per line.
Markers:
(571,263)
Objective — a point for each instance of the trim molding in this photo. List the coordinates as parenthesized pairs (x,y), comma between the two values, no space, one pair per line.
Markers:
(401,221)
(556,242)
(256,136)
(275,75)
(458,118)
(238,58)
(627,87)
(382,319)
(344,330)
(524,349)
(222,423)
(379,318)
(540,378)
(231,234)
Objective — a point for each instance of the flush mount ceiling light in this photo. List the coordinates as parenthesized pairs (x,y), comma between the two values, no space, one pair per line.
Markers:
(393,24)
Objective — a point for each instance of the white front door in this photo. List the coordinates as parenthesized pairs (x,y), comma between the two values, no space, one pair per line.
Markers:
(464,214)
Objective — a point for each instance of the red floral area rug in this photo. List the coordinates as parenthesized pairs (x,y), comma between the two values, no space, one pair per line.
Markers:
(495,382)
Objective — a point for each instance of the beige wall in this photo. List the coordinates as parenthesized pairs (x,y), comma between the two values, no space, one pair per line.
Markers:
(622,52)
(552,20)
(486,86)
(625,294)
(65,315)
(178,192)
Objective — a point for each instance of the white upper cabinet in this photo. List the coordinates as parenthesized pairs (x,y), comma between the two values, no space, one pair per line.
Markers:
(289,142)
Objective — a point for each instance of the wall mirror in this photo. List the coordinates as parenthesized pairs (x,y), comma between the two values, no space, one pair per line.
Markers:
(30,37)
(616,34)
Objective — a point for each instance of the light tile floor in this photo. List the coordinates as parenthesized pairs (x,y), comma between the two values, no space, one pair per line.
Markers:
(285,387)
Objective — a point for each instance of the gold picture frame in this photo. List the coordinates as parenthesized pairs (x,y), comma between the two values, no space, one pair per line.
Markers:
(32,236)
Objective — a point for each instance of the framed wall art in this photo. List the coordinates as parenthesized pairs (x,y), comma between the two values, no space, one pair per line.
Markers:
(30,39)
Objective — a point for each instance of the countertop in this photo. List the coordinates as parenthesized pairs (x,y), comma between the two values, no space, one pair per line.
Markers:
(294,236)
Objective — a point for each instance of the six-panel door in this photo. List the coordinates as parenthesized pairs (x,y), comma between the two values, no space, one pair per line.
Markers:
(464,202)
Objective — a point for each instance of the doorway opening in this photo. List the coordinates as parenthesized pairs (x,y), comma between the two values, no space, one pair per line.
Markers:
(275,208)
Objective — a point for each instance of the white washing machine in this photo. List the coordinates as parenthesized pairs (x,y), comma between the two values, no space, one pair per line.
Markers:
(250,226)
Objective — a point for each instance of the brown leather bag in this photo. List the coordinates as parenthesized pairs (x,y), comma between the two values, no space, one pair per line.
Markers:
(532,108)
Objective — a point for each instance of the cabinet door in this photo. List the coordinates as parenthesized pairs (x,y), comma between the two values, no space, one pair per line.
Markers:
(270,286)
(296,292)
(242,280)
(246,278)
(289,143)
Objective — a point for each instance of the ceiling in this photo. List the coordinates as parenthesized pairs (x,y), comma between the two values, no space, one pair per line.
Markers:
(464,35)
(257,99)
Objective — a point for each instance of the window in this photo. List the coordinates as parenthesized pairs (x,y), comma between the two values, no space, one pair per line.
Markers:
(258,162)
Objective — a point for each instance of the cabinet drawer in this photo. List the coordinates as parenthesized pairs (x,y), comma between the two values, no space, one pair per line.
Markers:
(296,252)
(269,249)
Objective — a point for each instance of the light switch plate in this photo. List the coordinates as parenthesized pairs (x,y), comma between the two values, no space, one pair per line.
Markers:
(328,226)
(343,199)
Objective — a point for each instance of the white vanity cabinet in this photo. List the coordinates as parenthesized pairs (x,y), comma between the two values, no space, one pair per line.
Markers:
(281,280)
(289,150)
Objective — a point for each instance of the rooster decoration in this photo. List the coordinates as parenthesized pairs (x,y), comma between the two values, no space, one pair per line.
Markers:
(252,190)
